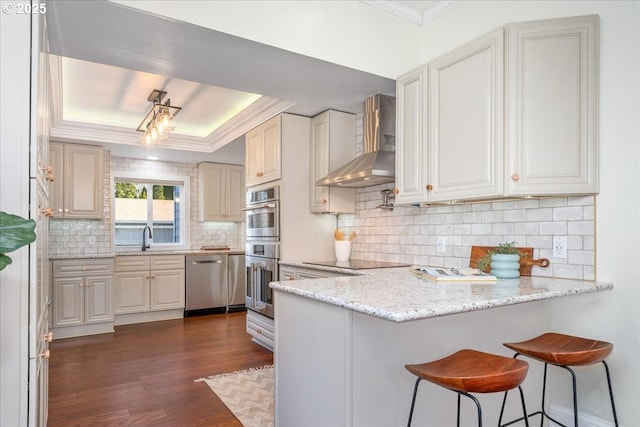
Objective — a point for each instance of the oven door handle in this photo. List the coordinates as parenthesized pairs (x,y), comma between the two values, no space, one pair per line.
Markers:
(266,205)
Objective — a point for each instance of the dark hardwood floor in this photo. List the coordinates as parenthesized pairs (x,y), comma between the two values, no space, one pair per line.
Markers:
(144,374)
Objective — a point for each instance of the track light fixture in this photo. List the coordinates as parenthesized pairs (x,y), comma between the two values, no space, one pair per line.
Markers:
(159,120)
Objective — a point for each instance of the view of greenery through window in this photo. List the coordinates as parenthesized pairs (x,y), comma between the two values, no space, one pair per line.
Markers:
(133,210)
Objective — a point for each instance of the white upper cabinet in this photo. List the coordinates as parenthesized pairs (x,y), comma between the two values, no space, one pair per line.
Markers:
(553,119)
(411,117)
(480,132)
(333,136)
(78,183)
(465,126)
(263,153)
(221,192)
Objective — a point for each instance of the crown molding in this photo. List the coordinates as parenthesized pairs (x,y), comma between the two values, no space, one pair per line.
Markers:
(403,10)
(438,9)
(398,9)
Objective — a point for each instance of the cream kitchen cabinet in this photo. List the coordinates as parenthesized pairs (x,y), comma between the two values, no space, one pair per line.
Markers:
(261,328)
(332,145)
(458,140)
(148,287)
(77,190)
(221,191)
(82,300)
(411,149)
(553,120)
(263,153)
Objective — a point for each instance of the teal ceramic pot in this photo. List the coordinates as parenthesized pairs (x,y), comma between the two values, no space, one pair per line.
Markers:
(505,266)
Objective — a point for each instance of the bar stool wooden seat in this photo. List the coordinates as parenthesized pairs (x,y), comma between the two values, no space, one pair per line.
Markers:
(470,371)
(564,351)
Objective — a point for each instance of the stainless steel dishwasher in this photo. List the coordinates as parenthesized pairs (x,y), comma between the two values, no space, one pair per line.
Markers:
(206,287)
(237,280)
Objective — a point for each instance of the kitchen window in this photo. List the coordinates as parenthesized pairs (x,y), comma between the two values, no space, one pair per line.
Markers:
(158,203)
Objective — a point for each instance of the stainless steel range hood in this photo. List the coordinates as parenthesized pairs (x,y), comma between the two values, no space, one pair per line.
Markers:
(378,163)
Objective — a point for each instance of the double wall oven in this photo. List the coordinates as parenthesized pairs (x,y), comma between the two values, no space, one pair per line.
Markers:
(262,247)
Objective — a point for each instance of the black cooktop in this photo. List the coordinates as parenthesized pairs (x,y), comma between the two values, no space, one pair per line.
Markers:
(356,264)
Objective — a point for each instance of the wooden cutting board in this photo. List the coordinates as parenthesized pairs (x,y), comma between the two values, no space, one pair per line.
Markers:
(479,252)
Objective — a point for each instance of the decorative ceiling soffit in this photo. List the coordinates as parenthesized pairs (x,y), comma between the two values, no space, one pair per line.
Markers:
(67,131)
(415,15)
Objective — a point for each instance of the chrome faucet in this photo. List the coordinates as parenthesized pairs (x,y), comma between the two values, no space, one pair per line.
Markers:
(145,245)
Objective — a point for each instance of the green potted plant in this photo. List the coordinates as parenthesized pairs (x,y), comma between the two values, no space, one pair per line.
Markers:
(15,232)
(504,261)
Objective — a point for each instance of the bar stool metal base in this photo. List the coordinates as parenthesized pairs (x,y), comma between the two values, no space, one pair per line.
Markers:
(543,413)
(479,408)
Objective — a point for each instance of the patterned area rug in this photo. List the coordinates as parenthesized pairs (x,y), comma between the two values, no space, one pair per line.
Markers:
(248,394)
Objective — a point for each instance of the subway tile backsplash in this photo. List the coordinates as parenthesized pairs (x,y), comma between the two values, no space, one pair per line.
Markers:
(88,238)
(409,234)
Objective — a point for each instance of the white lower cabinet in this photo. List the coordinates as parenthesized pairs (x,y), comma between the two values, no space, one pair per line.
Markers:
(261,328)
(148,288)
(82,301)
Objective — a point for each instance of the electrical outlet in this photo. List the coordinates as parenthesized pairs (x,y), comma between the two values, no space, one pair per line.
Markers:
(559,247)
(441,245)
(92,240)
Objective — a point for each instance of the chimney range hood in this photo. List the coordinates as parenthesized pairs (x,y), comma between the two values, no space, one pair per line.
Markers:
(378,163)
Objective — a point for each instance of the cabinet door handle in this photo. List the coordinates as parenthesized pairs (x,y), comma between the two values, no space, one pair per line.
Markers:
(324,201)
(429,187)
(47,212)
(48,337)
(396,191)
(46,354)
(515,177)
(259,174)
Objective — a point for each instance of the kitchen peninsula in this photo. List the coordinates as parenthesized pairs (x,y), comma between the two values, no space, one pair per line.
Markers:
(341,343)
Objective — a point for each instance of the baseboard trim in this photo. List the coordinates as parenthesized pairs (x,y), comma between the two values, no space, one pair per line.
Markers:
(565,416)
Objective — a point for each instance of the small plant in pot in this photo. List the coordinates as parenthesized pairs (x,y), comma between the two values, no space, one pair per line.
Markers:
(504,261)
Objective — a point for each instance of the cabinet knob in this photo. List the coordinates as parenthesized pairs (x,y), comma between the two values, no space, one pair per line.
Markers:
(81,284)
(396,191)
(46,354)
(66,210)
(48,337)
(515,177)
(153,277)
(292,278)
(324,201)
(60,210)
(259,174)
(47,212)
(429,187)
(84,268)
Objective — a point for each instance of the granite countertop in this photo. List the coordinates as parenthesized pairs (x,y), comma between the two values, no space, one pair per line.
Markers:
(398,295)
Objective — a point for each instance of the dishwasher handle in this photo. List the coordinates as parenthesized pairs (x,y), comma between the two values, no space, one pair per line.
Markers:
(212,261)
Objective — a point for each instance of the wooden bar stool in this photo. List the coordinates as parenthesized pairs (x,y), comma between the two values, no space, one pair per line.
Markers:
(564,351)
(470,371)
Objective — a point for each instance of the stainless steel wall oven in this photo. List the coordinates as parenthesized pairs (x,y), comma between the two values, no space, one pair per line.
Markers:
(263,213)
(262,268)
